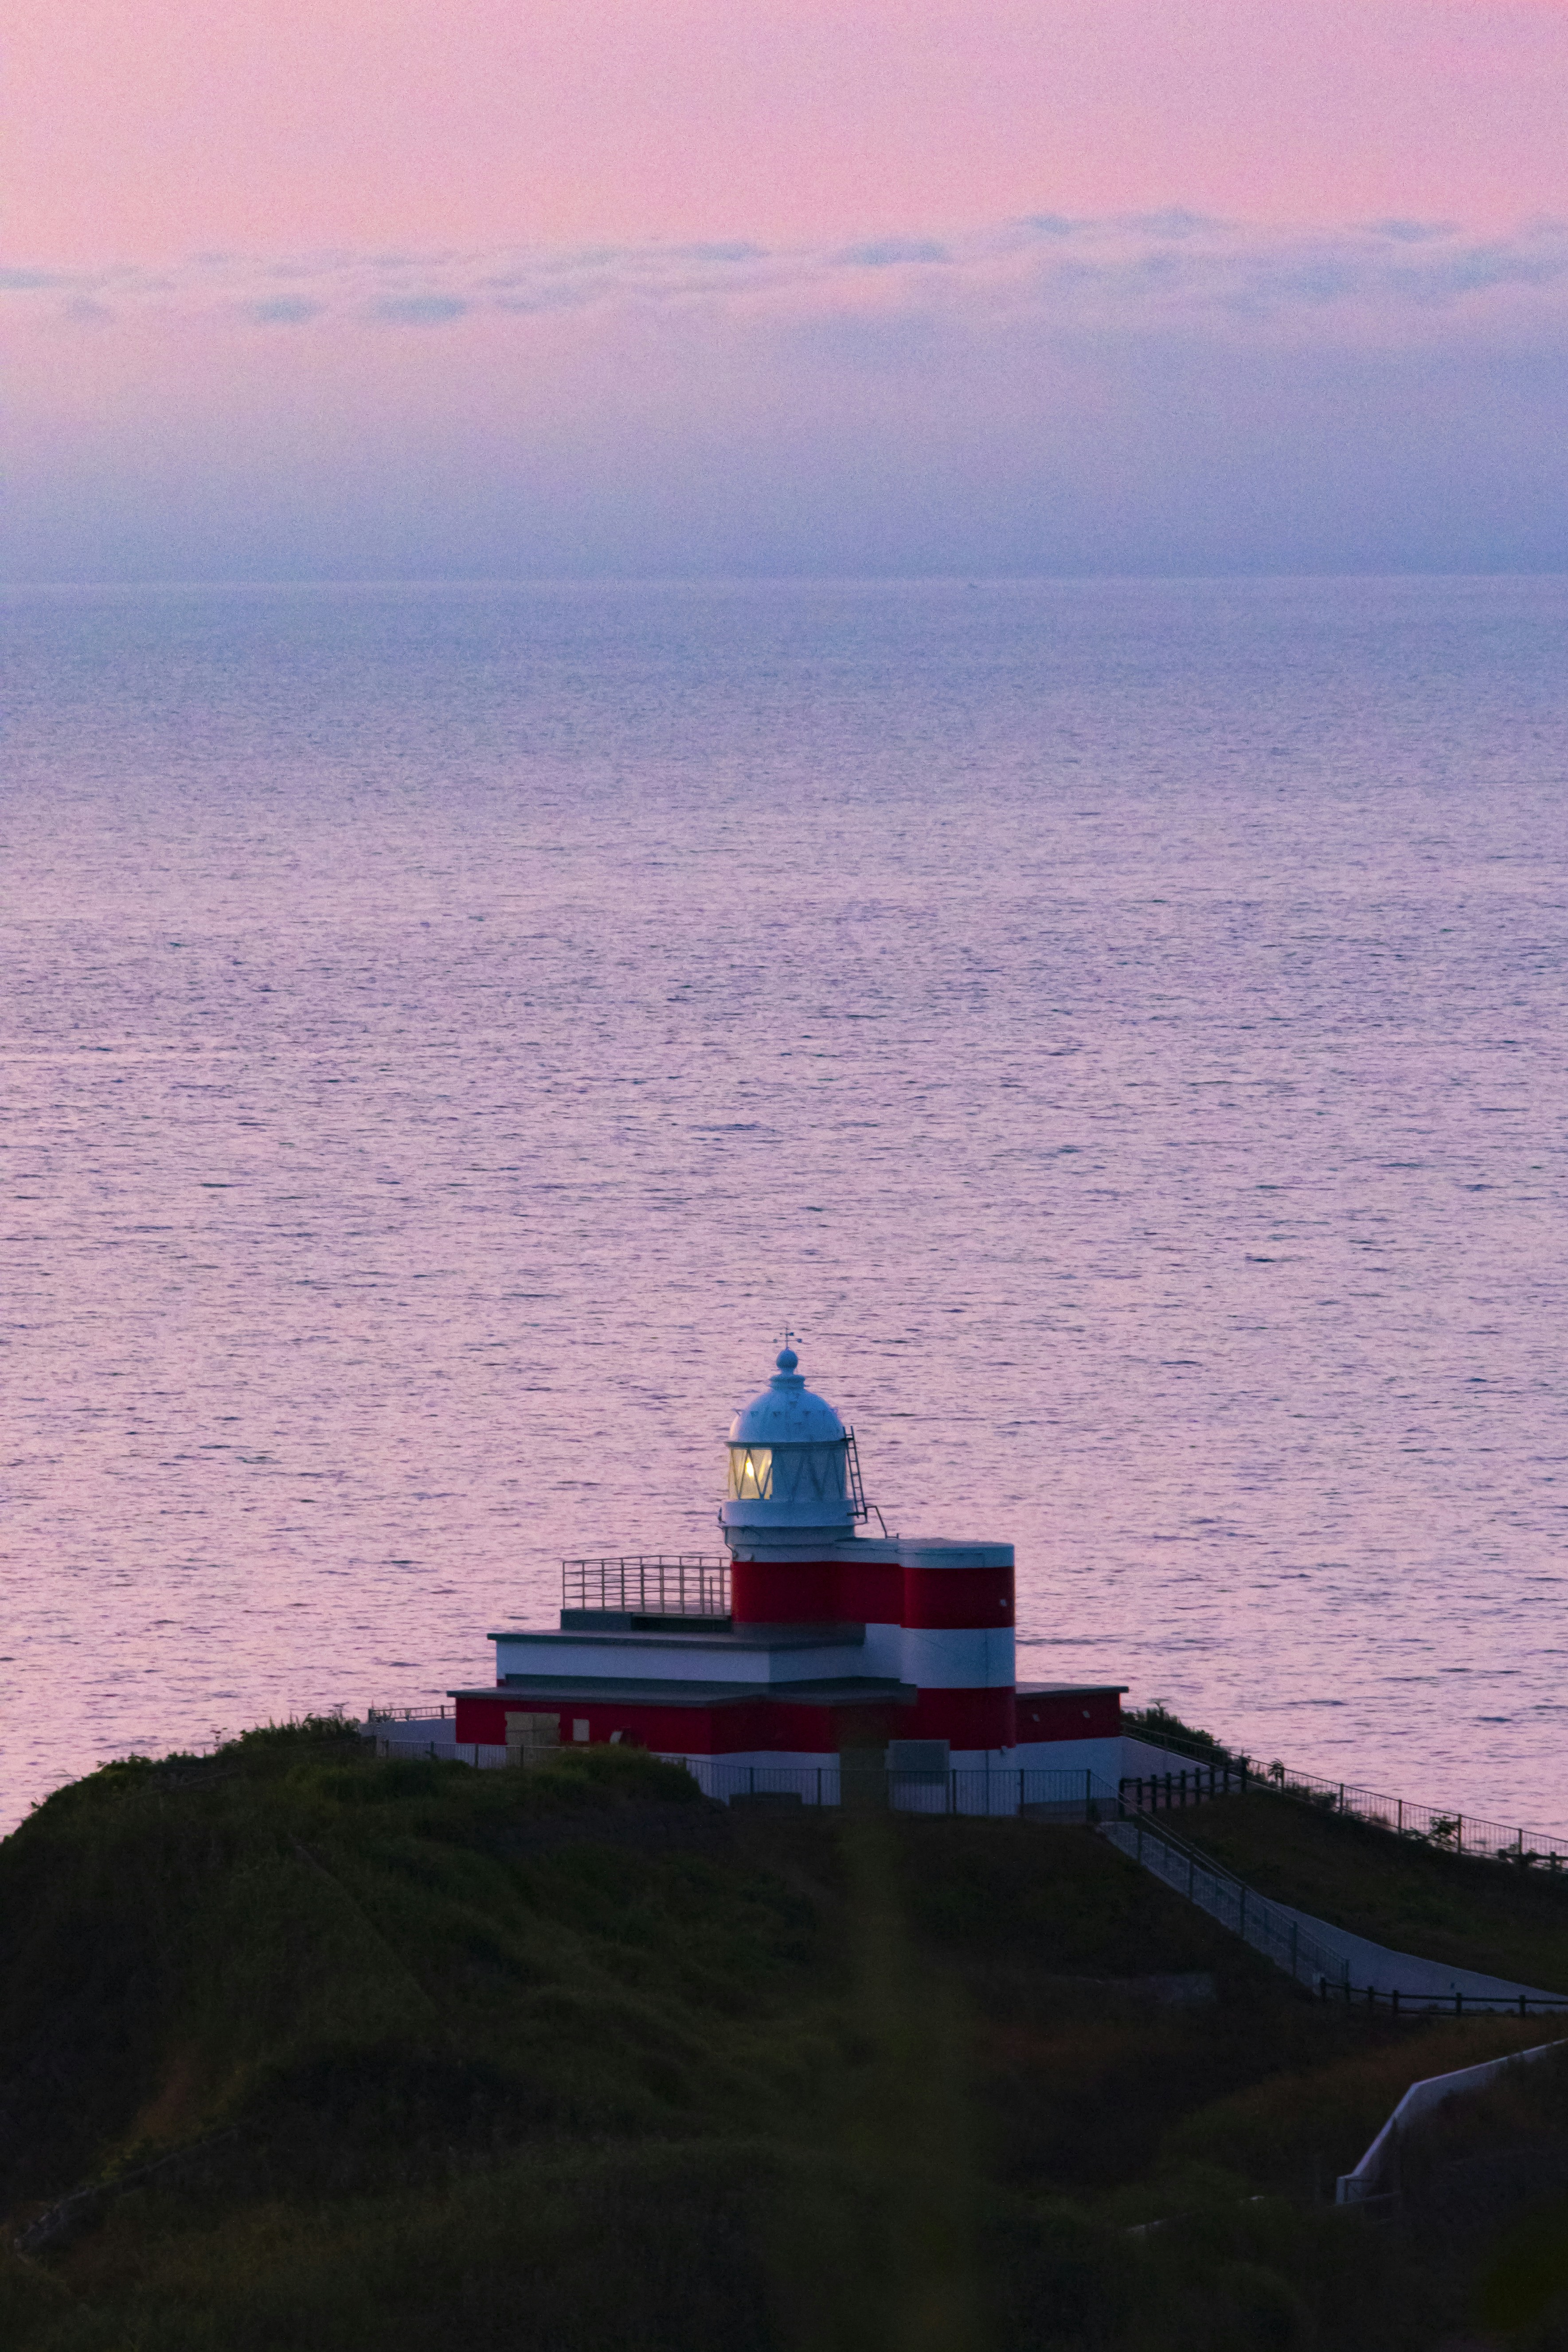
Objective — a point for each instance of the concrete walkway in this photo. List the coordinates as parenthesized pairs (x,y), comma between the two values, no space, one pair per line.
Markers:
(1389,1972)
(1311,1950)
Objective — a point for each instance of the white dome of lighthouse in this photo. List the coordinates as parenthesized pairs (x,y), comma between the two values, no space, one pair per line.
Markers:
(789,1471)
(787,1412)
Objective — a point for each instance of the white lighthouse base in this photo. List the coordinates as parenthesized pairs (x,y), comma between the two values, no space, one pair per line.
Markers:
(1101,1756)
(1068,1779)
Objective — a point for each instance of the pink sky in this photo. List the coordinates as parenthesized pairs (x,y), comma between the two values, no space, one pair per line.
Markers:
(320,287)
(145,132)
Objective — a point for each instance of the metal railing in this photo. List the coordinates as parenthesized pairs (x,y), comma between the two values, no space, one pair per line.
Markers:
(1002,1793)
(1448,1831)
(481,1754)
(1285,1942)
(1229,1900)
(1151,1792)
(649,1584)
(1396,2003)
(806,1784)
(408,1715)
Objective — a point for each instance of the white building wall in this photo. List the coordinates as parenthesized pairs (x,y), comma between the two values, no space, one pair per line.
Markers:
(966,1658)
(884,1652)
(650,1658)
(1101,1757)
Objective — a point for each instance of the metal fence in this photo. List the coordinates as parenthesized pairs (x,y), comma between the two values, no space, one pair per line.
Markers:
(439,1751)
(1454,1832)
(1286,1941)
(1001,1794)
(1448,1831)
(792,1784)
(1150,1792)
(1458,2004)
(650,1584)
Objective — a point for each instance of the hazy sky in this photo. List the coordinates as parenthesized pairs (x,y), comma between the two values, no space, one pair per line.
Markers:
(317,289)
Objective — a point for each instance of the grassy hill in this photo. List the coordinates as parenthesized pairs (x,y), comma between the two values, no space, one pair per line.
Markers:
(302,2049)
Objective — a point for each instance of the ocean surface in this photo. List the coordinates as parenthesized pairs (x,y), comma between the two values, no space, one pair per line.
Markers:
(449,1035)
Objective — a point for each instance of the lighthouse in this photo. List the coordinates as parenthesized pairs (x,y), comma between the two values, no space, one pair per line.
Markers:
(807,1638)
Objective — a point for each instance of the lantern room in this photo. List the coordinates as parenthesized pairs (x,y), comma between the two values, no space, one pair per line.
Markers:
(790,1466)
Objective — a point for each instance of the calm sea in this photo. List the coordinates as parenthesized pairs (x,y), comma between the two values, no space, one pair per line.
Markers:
(448,1034)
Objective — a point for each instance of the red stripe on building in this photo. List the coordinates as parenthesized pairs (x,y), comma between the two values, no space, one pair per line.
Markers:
(870,1591)
(952,1599)
(785,1592)
(1068,1715)
(965,1718)
(816,1592)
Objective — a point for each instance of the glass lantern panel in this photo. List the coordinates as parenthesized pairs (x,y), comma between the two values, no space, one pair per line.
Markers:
(822,1473)
(751,1474)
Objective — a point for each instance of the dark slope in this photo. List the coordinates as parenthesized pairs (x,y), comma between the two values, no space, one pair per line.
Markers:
(301,2050)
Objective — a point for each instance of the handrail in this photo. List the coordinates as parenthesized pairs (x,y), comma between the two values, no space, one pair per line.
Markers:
(649,1584)
(1447,1832)
(1284,1940)
(1228,1899)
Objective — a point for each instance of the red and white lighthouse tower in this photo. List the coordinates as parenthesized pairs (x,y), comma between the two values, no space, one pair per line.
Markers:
(810,1637)
(935,1619)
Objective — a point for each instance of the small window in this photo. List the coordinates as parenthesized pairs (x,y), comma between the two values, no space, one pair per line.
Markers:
(751,1474)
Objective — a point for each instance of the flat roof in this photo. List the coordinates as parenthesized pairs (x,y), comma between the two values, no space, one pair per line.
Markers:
(839,1690)
(764,1637)
(1072,1690)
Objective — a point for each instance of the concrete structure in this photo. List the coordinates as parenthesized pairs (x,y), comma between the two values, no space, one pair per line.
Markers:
(1377,2174)
(807,1639)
